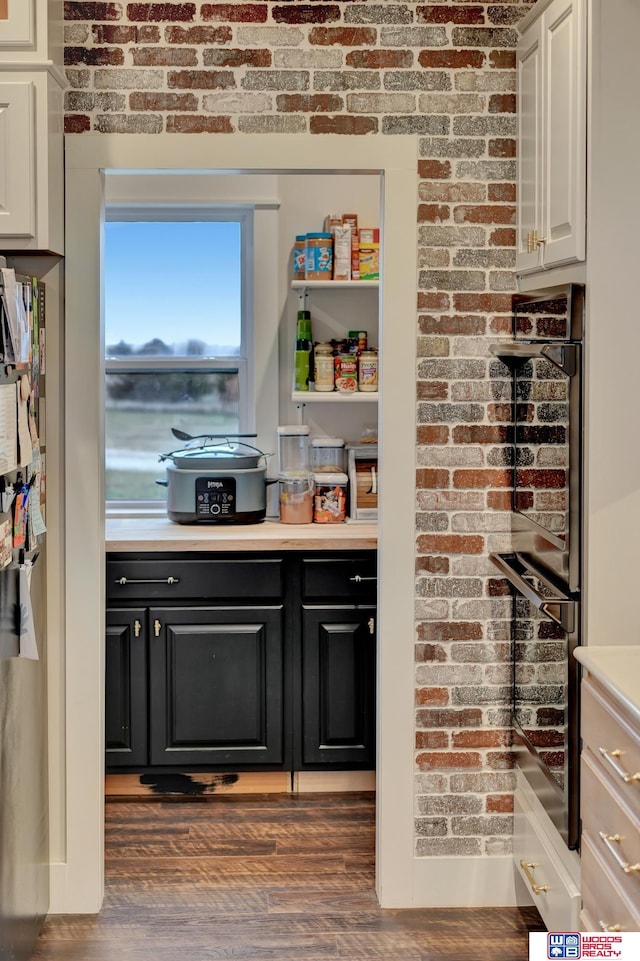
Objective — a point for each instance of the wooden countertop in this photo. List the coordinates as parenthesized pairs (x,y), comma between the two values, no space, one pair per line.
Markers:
(617,669)
(160,534)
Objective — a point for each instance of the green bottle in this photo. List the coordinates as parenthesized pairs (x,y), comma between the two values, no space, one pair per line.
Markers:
(301,365)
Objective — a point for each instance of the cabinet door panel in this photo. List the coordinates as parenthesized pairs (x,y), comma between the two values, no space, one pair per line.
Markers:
(126,688)
(17,159)
(529,67)
(338,686)
(216,686)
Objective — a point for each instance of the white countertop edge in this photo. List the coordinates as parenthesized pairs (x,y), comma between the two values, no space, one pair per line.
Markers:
(617,668)
(132,534)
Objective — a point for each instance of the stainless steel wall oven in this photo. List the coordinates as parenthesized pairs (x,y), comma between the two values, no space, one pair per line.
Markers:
(545,565)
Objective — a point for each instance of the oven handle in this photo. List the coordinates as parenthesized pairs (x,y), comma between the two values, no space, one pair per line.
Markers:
(562,609)
(562,356)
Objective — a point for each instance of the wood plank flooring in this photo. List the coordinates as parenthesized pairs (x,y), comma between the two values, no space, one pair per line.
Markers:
(264,878)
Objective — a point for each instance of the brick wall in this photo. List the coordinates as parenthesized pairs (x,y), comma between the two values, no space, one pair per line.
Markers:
(443,71)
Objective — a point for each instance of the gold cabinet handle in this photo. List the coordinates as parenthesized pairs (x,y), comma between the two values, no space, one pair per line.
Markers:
(371,623)
(609,927)
(137,627)
(609,841)
(611,759)
(157,627)
(527,867)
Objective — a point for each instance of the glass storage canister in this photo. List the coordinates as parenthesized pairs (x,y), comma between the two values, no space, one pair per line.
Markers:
(323,367)
(296,499)
(293,449)
(368,370)
(330,498)
(328,455)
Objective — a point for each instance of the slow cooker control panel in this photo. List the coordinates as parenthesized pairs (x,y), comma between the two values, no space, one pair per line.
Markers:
(215,496)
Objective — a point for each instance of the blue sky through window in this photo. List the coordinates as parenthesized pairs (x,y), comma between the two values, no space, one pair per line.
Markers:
(175,281)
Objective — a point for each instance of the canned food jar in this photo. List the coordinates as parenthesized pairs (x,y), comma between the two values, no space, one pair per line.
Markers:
(346,373)
(368,370)
(299,256)
(323,367)
(330,499)
(319,257)
(296,499)
(327,455)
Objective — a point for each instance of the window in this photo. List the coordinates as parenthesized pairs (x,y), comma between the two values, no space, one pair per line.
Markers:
(177,283)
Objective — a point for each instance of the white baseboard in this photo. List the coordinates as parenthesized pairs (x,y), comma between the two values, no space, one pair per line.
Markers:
(464,882)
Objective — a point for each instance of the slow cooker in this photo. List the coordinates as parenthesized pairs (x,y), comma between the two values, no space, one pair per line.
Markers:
(217,483)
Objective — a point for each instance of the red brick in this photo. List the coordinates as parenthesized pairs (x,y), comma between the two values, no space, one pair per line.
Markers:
(94,56)
(235,12)
(432,390)
(502,103)
(502,59)
(92,11)
(451,59)
(344,36)
(379,59)
(450,631)
(500,760)
(434,169)
(484,214)
(555,479)
(502,147)
(445,760)
(430,14)
(433,300)
(502,237)
(493,738)
(427,434)
(431,740)
(237,58)
(201,79)
(432,565)
(196,124)
(164,57)
(76,123)
(426,653)
(480,434)
(198,35)
(496,587)
(343,125)
(427,478)
(430,718)
(501,325)
(482,302)
(308,103)
(432,695)
(108,33)
(481,478)
(469,324)
(306,13)
(150,100)
(433,213)
(501,193)
(155,12)
(451,543)
(499,413)
(499,803)
(499,500)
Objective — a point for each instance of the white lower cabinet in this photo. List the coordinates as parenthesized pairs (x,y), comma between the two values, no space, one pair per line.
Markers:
(31,162)
(549,871)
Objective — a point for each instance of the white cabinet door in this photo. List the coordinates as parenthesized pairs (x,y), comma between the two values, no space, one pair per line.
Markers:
(17,163)
(551,61)
(18,27)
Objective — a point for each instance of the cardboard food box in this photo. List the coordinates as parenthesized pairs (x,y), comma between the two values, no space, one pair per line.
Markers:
(362,469)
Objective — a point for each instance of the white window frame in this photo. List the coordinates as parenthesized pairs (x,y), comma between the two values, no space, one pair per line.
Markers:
(242,363)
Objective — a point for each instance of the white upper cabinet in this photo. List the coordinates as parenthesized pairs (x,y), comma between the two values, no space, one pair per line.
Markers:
(551,65)
(31,30)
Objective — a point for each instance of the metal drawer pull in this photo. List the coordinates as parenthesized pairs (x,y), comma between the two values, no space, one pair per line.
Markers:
(610,757)
(157,580)
(527,867)
(137,627)
(157,627)
(609,927)
(609,841)
(357,579)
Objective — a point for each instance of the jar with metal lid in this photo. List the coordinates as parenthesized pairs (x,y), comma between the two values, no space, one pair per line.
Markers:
(346,373)
(319,257)
(368,370)
(323,367)
(327,455)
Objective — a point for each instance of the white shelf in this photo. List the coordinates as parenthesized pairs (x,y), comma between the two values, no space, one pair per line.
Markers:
(335,284)
(333,397)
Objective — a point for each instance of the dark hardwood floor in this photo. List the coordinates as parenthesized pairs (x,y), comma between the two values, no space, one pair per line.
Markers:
(266,878)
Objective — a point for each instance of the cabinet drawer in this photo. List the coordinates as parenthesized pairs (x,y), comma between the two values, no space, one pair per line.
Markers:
(169,580)
(603,812)
(559,905)
(350,578)
(614,744)
(603,901)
